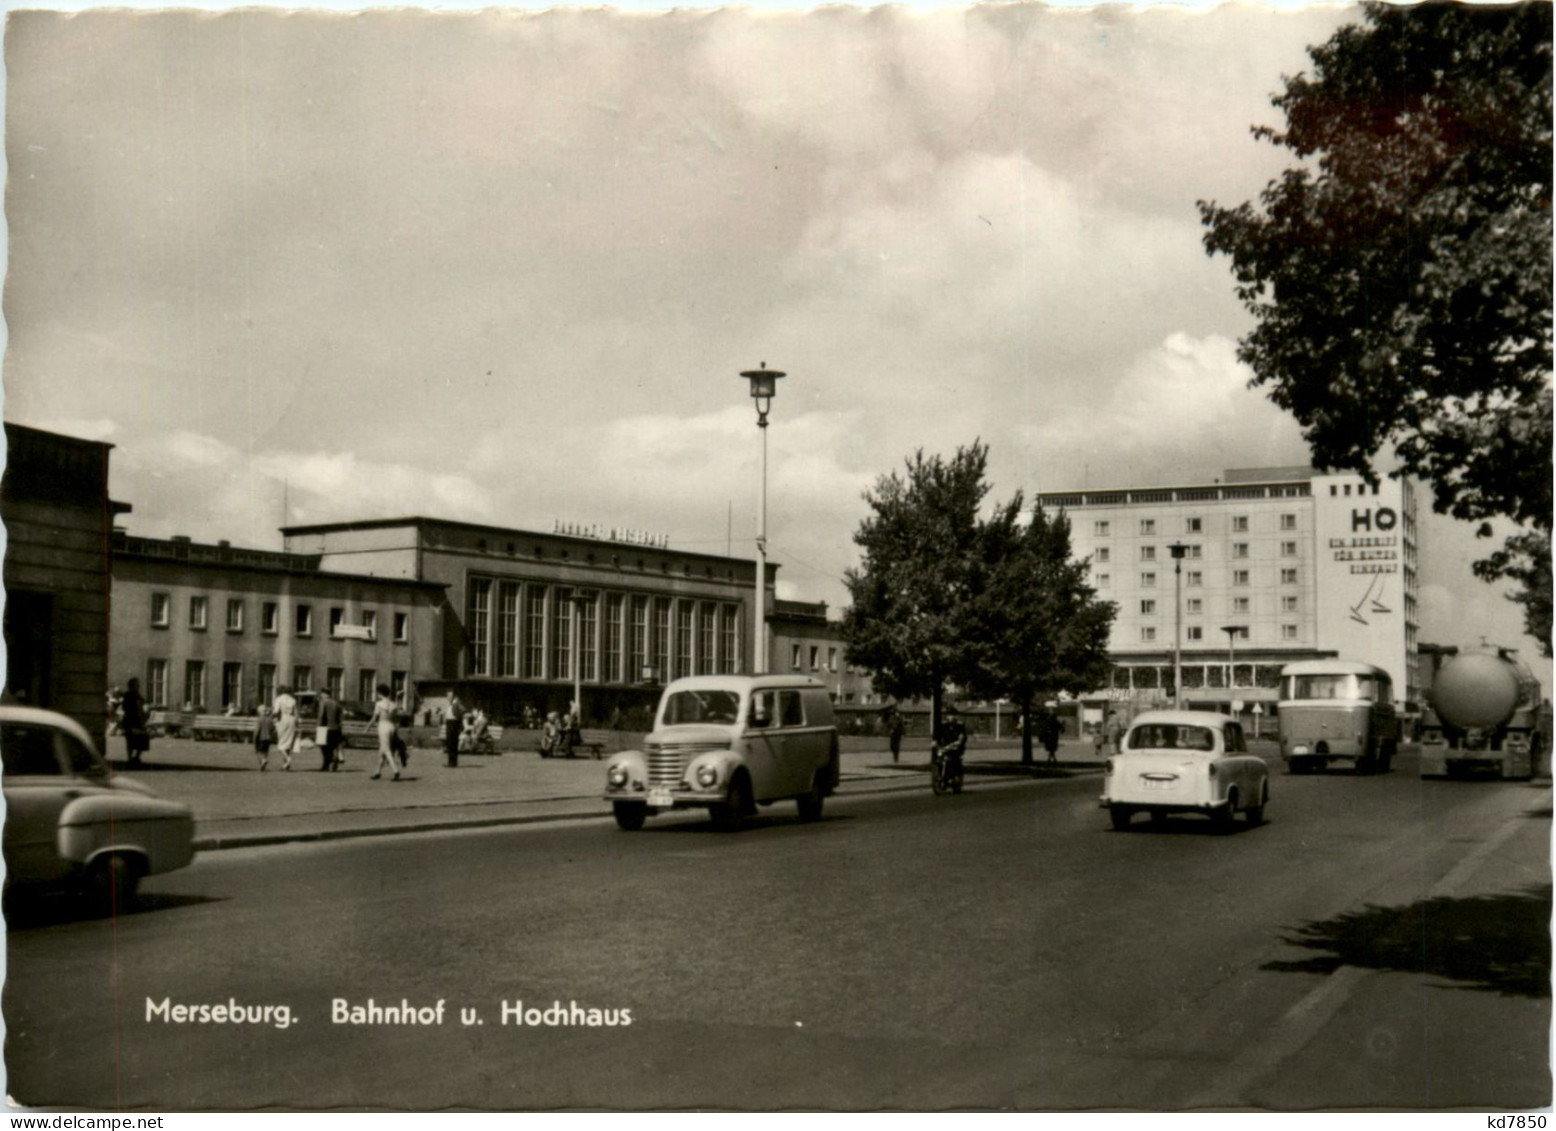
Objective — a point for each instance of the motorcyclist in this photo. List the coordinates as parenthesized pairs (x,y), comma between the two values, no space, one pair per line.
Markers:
(951,741)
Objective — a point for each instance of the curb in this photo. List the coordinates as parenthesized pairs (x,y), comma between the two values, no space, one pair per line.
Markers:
(261,840)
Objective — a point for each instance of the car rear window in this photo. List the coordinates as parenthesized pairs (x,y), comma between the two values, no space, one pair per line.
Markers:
(1170,736)
(28,750)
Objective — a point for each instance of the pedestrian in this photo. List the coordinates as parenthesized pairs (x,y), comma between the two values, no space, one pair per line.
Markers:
(331,735)
(264,735)
(1099,738)
(1049,729)
(895,729)
(115,710)
(288,733)
(132,717)
(385,715)
(453,727)
(1115,731)
(551,736)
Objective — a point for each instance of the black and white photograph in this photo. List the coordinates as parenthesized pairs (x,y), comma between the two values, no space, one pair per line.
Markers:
(909,558)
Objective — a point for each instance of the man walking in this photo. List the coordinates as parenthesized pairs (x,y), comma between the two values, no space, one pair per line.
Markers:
(332,733)
(453,724)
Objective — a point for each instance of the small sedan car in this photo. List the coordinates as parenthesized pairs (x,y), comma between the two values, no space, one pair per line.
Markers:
(1185,762)
(71,822)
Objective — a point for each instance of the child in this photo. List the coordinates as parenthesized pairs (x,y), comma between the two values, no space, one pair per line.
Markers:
(264,735)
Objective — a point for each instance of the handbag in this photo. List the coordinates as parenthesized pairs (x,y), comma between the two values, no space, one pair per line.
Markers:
(321,737)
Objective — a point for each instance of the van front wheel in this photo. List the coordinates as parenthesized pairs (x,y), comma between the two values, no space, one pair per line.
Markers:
(810,803)
(730,814)
(630,816)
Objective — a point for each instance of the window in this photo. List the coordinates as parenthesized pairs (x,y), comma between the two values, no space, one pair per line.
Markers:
(1288,522)
(1100,529)
(1195,632)
(831,659)
(507,662)
(304,620)
(397,686)
(1147,526)
(815,657)
(588,614)
(1288,632)
(1288,549)
(1239,604)
(194,685)
(367,685)
(707,630)
(794,656)
(637,639)
(199,609)
(1242,632)
(156,683)
(267,683)
(1288,577)
(1194,526)
(1147,553)
(161,604)
(270,619)
(1239,577)
(661,637)
(561,633)
(1147,580)
(232,686)
(1239,524)
(1104,580)
(1195,605)
(337,618)
(478,625)
(1104,555)
(302,678)
(1288,604)
(335,682)
(614,603)
(370,622)
(683,639)
(1239,549)
(234,616)
(1148,634)
(729,639)
(1148,608)
(535,631)
(1193,577)
(402,627)
(1193,551)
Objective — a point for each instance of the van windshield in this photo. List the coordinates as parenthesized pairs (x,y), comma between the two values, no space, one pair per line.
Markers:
(685,707)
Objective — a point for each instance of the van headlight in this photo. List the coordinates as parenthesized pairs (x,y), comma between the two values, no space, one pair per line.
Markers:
(617,777)
(707,776)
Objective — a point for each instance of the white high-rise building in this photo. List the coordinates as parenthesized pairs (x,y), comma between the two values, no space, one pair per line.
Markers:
(1278,564)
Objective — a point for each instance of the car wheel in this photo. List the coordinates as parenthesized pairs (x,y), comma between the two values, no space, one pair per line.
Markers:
(1255,813)
(1387,760)
(112,881)
(810,803)
(630,815)
(1368,762)
(1120,816)
(1299,766)
(1222,817)
(729,815)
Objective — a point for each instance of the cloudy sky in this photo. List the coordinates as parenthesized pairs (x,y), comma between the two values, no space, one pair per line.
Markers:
(506,266)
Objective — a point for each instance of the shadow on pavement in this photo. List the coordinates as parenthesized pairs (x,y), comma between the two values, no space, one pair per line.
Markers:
(1496,942)
(986,769)
(24,911)
(122,766)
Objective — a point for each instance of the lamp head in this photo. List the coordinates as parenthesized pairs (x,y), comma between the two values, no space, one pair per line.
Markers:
(764,383)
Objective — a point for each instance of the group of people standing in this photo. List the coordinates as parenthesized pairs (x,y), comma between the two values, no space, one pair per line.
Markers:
(280,727)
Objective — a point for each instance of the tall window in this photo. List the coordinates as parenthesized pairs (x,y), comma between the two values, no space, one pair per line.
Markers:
(508,629)
(612,672)
(304,620)
(156,683)
(729,639)
(335,682)
(683,638)
(161,604)
(302,678)
(1288,522)
(588,621)
(1100,529)
(232,686)
(199,612)
(794,656)
(661,641)
(337,618)
(194,685)
(535,632)
(370,622)
(367,685)
(637,639)
(561,633)
(398,685)
(270,619)
(267,683)
(402,628)
(831,659)
(478,625)
(1147,553)
(234,615)
(706,631)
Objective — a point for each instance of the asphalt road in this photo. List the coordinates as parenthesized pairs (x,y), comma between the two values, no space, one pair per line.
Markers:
(1381,942)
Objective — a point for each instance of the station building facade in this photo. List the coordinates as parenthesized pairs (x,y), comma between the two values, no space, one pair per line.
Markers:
(216,628)
(1278,564)
(806,641)
(522,608)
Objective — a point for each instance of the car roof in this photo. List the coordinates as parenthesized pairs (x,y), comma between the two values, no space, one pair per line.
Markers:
(737,682)
(37,715)
(1331,667)
(1182,718)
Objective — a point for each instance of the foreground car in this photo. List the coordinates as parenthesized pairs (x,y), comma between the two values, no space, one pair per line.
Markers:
(70,821)
(1185,762)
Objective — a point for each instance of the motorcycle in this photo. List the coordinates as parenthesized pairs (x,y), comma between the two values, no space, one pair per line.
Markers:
(945,769)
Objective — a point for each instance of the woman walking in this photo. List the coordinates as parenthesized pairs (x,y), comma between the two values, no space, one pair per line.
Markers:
(264,735)
(384,714)
(288,733)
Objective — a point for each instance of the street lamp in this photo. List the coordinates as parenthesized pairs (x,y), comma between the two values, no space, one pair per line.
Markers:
(764,383)
(1233,631)
(1178,550)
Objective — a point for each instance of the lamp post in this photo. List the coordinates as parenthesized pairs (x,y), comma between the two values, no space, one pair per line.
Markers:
(1232,631)
(1178,550)
(764,383)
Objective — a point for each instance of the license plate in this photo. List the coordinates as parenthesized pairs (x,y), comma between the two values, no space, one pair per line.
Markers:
(660,798)
(1159,783)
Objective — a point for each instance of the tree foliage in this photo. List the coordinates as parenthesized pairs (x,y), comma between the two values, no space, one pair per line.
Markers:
(1043,628)
(1400,271)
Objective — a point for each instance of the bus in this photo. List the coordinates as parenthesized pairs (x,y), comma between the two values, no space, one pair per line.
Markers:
(1337,709)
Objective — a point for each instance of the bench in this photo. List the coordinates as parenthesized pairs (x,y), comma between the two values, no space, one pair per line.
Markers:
(594,741)
(223,728)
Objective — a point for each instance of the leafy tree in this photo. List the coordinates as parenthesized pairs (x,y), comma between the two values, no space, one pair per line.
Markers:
(925,562)
(1043,627)
(1400,272)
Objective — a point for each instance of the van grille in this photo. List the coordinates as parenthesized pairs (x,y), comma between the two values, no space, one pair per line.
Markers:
(667,762)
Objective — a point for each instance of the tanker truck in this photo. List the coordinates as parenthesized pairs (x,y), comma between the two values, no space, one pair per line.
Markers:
(1484,715)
